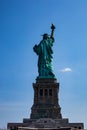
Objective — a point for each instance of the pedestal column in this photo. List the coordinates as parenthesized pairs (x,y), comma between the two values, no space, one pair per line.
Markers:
(46,102)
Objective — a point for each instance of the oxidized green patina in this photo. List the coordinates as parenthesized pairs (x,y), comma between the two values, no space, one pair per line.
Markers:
(44,52)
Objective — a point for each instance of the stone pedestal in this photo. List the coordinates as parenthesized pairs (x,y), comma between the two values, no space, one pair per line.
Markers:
(46,102)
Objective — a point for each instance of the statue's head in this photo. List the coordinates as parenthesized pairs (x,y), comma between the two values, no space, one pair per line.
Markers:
(45,36)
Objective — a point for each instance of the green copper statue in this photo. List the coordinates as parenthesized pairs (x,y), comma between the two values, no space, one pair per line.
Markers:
(44,52)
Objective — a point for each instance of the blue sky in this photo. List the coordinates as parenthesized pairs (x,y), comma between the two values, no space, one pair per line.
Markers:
(22,22)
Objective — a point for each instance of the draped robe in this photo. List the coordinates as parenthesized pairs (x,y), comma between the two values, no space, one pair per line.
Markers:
(44,52)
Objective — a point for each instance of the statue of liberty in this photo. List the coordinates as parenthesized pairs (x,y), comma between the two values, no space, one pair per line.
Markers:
(44,52)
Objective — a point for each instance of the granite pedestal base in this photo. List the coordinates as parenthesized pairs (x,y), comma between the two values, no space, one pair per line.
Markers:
(45,123)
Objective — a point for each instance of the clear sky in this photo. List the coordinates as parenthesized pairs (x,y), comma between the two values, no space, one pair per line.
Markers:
(22,22)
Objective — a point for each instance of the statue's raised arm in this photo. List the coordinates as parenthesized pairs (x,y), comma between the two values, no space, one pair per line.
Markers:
(44,52)
(52,31)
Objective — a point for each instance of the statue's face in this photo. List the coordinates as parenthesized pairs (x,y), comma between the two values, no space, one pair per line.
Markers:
(45,36)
